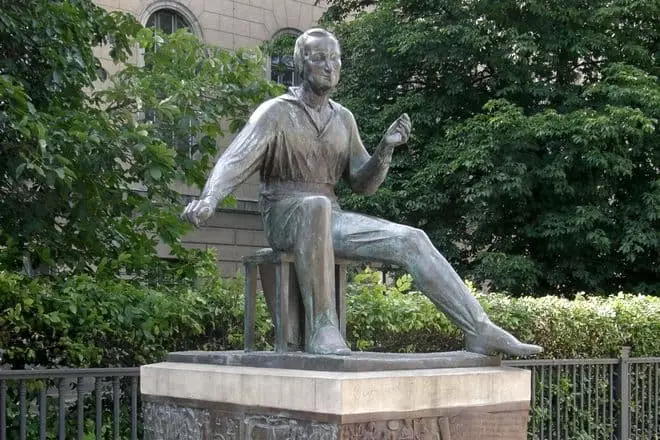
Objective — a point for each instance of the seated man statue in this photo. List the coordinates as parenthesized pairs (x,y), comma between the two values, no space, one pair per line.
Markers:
(302,143)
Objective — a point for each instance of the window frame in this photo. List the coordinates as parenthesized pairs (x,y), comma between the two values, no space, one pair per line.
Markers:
(180,9)
(296,79)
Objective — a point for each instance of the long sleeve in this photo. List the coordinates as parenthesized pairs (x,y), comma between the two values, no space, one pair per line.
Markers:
(244,156)
(366,173)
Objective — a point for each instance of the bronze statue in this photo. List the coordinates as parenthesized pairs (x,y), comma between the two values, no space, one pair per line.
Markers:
(302,143)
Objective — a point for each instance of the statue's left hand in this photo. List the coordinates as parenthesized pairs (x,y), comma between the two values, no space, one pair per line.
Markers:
(399,131)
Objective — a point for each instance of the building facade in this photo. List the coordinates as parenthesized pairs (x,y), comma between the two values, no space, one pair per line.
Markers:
(231,24)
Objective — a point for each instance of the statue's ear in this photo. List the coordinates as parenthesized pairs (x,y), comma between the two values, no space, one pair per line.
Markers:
(301,70)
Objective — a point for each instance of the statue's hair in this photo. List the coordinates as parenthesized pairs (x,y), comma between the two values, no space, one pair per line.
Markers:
(301,41)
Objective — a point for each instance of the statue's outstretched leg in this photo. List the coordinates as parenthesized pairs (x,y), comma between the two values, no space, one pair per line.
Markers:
(304,226)
(360,236)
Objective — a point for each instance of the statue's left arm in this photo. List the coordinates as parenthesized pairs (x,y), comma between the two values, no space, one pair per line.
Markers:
(366,173)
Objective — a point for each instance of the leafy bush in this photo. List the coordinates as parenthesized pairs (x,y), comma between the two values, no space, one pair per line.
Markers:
(86,322)
(382,318)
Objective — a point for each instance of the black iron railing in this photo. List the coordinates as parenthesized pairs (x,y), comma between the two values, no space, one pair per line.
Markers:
(594,399)
(572,399)
(99,403)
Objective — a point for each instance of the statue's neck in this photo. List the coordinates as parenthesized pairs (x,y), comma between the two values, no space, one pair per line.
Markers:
(313,99)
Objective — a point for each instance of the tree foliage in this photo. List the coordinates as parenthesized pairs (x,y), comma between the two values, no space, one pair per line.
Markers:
(85,321)
(87,173)
(535,152)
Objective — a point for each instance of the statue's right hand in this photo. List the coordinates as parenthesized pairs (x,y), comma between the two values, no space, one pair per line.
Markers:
(198,211)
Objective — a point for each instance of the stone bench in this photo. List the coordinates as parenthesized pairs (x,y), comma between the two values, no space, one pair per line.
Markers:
(280,286)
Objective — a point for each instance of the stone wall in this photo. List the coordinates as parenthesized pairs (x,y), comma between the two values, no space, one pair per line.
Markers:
(231,24)
(232,234)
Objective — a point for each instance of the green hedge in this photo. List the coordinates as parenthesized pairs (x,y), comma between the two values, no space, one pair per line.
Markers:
(395,319)
(83,322)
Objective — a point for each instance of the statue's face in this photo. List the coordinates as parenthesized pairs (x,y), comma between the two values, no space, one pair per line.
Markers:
(322,63)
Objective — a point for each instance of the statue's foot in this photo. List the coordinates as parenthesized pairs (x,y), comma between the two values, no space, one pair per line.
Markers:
(328,340)
(493,339)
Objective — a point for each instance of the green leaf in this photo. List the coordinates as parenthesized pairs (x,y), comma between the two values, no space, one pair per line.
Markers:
(19,169)
(155,173)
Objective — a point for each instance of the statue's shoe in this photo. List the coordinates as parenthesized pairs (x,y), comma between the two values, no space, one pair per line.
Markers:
(328,340)
(493,339)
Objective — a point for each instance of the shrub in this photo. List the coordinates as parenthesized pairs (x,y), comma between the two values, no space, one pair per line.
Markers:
(82,321)
(382,318)
(86,322)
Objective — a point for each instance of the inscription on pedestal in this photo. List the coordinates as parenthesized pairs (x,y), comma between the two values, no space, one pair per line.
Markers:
(430,428)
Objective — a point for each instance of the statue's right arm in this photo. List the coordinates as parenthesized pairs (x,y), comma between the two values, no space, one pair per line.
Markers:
(244,155)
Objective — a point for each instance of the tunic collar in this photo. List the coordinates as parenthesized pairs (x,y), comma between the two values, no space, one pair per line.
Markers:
(293,95)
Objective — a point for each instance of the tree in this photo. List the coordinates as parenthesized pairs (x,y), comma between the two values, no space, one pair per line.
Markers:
(535,151)
(87,174)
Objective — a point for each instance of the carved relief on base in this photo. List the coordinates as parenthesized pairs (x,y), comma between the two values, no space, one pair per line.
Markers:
(165,421)
(283,428)
(226,427)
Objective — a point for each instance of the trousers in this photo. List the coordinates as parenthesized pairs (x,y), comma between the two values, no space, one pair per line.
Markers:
(317,230)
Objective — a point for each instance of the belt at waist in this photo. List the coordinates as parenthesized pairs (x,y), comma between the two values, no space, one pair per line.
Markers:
(297,188)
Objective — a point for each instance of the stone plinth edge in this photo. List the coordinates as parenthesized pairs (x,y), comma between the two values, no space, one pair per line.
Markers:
(211,402)
(338,393)
(357,361)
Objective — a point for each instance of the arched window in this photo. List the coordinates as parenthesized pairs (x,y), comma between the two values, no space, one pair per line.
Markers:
(282,68)
(167,20)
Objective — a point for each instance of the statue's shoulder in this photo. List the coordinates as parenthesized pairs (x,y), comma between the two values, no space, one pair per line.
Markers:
(344,113)
(270,109)
(273,104)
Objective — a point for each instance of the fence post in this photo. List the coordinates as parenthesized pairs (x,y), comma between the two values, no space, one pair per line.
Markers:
(624,394)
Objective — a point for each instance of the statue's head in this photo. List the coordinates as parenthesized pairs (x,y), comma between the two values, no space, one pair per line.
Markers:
(317,58)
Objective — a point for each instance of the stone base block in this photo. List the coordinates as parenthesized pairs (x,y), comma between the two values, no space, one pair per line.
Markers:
(218,402)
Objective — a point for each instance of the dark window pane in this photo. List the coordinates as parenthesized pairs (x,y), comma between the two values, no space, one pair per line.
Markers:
(282,69)
(167,20)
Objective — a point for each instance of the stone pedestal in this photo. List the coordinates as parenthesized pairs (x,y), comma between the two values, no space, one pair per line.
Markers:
(217,401)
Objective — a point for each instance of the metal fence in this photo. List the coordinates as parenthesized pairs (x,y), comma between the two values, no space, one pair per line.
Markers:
(594,399)
(92,403)
(572,399)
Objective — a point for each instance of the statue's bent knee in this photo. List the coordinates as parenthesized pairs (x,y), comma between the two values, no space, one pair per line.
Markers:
(316,205)
(416,238)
